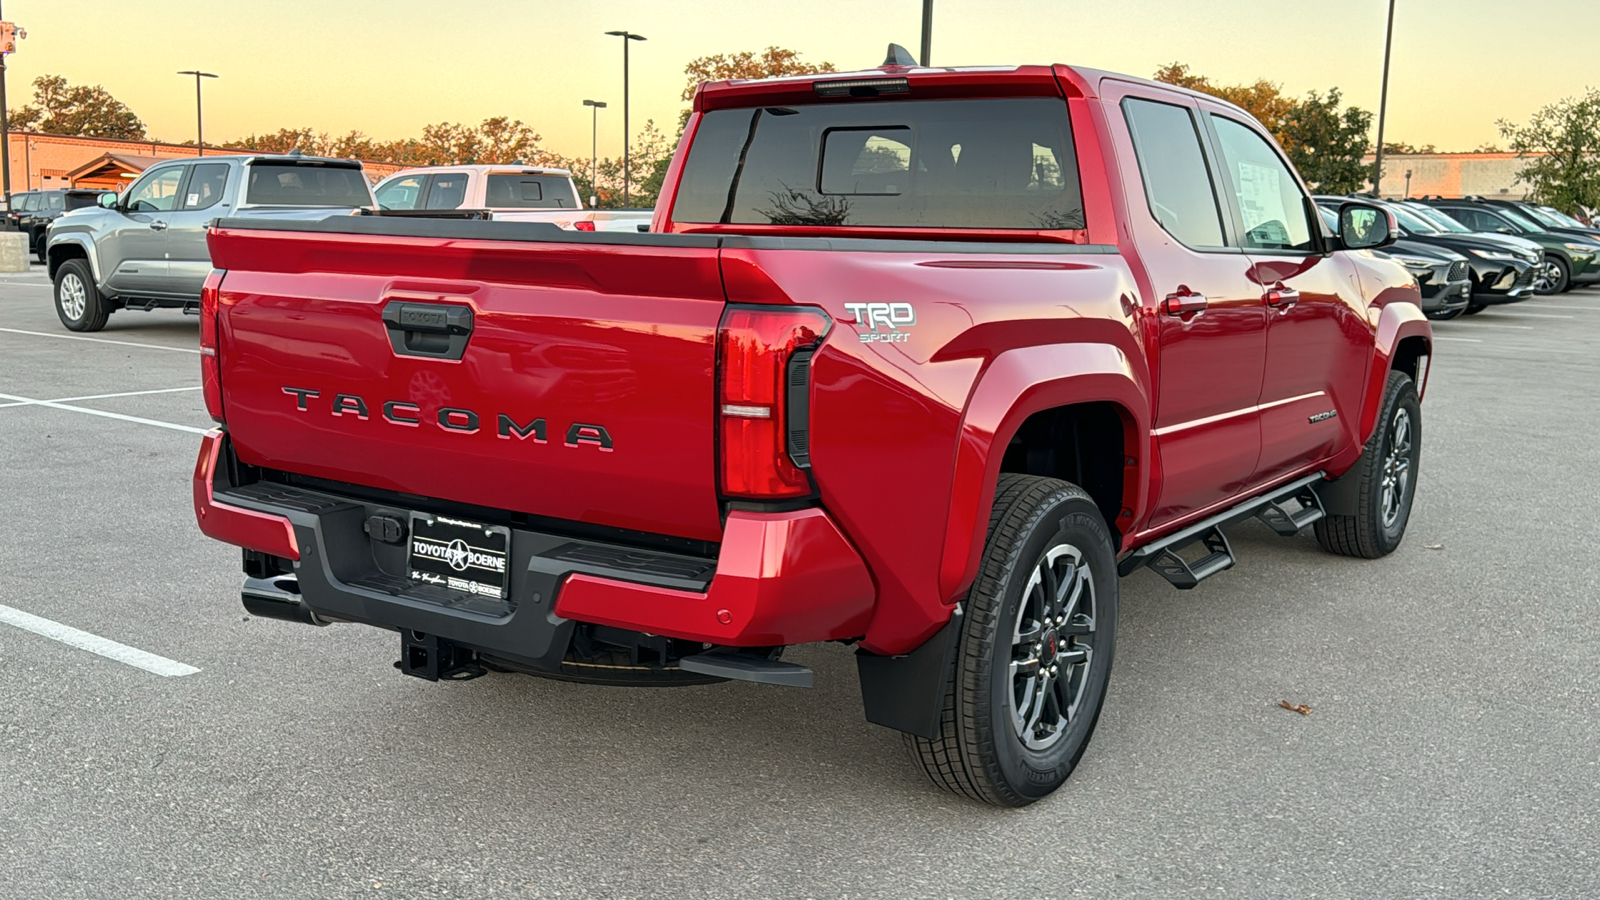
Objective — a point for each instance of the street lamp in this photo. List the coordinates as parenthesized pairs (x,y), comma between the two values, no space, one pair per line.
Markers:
(626,137)
(927,31)
(1408,185)
(199,119)
(594,151)
(1383,106)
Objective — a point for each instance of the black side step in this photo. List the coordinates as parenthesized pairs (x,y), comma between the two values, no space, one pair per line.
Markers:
(728,663)
(1286,509)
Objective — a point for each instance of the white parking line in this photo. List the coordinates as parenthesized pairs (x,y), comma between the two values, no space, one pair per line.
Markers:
(83,640)
(1440,337)
(77,337)
(1573,308)
(1502,325)
(1523,315)
(100,396)
(51,404)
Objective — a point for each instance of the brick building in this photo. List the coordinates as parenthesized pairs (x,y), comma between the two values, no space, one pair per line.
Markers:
(1452,175)
(48,161)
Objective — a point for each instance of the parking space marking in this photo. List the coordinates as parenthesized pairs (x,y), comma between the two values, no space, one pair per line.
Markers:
(51,404)
(77,337)
(1503,325)
(1574,308)
(1441,337)
(83,640)
(100,396)
(1523,315)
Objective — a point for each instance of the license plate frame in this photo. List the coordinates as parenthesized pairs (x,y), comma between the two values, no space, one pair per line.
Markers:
(459,555)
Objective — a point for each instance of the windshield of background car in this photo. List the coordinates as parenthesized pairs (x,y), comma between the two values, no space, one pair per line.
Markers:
(1440,219)
(288,184)
(1412,222)
(1561,219)
(529,192)
(1005,163)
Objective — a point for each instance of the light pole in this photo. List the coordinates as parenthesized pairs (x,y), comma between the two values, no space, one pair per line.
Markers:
(927,32)
(1383,106)
(1408,186)
(626,137)
(594,151)
(199,118)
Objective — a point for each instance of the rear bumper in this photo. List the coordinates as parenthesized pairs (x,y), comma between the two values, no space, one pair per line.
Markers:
(778,578)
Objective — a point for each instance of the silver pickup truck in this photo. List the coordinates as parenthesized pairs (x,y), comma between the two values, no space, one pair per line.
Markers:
(146,248)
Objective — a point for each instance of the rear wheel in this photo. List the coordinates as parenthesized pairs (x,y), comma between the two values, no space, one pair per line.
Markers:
(78,303)
(1553,275)
(1386,479)
(1034,652)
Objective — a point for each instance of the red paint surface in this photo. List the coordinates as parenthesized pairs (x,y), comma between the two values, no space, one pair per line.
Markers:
(230,524)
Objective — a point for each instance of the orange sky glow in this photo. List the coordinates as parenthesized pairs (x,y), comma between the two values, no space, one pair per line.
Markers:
(388,68)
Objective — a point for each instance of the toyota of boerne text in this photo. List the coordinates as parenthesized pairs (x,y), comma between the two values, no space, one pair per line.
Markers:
(917,360)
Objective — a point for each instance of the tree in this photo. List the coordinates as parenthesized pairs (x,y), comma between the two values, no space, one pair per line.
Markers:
(773,62)
(283,140)
(1263,100)
(1326,144)
(60,108)
(1567,133)
(1396,148)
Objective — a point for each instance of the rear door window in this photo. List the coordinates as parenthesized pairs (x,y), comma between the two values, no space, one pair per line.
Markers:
(57,200)
(990,163)
(1177,182)
(30,203)
(292,184)
(206,182)
(529,192)
(448,191)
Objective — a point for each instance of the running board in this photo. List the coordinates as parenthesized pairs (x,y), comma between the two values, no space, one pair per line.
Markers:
(727,663)
(1285,509)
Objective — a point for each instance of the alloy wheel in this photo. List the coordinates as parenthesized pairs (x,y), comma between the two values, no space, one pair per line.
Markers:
(74,297)
(1396,481)
(1052,646)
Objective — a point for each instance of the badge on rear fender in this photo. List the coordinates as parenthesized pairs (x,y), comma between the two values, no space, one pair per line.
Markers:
(885,319)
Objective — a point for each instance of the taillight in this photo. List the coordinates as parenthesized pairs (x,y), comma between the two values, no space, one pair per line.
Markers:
(583,226)
(210,364)
(763,359)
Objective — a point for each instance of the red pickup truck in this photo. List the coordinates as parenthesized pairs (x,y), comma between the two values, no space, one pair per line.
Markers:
(918,360)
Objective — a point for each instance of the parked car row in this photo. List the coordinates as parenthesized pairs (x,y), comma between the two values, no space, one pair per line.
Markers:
(1469,253)
(33,211)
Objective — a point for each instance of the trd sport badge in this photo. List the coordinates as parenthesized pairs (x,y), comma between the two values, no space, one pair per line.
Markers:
(885,321)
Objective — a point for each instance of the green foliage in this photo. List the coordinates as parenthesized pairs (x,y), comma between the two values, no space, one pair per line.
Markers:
(60,108)
(1328,144)
(1567,132)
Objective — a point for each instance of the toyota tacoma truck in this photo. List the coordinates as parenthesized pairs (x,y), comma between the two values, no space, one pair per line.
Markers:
(507,193)
(917,360)
(146,249)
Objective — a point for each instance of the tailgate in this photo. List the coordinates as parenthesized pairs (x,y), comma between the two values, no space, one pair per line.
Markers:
(559,378)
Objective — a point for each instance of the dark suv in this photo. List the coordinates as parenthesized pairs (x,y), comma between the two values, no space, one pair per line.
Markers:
(33,211)
(1569,259)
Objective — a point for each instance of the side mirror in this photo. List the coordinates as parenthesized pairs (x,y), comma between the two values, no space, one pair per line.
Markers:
(1363,226)
(108,201)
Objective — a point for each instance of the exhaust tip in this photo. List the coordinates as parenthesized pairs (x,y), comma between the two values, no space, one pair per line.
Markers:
(277,597)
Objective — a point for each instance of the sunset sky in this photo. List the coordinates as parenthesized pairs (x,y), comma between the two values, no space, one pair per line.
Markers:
(388,68)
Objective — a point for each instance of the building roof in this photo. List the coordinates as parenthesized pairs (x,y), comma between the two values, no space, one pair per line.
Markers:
(113,165)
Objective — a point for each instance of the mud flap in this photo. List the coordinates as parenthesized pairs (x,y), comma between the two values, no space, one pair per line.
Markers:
(907,692)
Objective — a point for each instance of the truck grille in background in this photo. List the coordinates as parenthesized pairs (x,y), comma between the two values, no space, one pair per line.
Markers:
(1458,271)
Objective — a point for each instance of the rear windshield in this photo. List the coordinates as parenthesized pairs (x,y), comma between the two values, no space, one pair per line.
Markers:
(57,200)
(530,192)
(909,163)
(275,184)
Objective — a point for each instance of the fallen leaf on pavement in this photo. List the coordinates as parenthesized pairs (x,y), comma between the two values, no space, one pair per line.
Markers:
(1302,709)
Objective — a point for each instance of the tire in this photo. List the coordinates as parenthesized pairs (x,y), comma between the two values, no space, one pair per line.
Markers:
(1041,532)
(1382,511)
(78,303)
(1473,309)
(1556,277)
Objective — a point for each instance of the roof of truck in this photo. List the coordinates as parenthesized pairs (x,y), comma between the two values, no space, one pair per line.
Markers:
(487,169)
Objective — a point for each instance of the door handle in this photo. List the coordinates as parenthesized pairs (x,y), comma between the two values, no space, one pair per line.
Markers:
(1281,297)
(158,225)
(1183,303)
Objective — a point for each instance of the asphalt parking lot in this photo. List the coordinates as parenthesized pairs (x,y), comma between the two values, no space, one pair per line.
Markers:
(1453,748)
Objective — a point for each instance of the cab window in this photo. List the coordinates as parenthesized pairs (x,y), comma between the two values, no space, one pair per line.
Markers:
(1177,184)
(156,192)
(1269,197)
(205,185)
(402,193)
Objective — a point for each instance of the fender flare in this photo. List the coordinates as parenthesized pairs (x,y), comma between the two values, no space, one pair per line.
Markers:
(77,240)
(1396,323)
(1017,384)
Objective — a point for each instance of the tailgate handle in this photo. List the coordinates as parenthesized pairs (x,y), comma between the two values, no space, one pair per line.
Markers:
(432,330)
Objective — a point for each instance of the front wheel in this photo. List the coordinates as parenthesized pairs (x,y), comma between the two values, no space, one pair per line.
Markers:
(1034,651)
(1553,276)
(78,304)
(1386,479)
